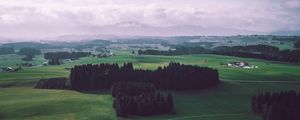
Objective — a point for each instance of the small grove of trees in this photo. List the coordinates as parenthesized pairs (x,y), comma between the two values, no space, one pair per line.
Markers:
(175,76)
(7,50)
(56,57)
(29,53)
(277,105)
(140,98)
(297,44)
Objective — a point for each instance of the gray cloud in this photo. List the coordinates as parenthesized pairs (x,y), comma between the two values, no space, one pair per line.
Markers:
(44,18)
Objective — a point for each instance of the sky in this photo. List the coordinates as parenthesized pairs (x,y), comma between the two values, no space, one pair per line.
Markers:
(48,18)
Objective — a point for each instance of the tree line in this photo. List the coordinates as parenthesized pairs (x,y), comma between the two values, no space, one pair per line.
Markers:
(179,50)
(140,98)
(29,53)
(56,57)
(174,76)
(66,55)
(277,105)
(53,83)
(252,51)
(260,52)
(6,50)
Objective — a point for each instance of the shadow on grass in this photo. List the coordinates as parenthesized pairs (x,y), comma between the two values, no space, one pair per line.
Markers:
(96,92)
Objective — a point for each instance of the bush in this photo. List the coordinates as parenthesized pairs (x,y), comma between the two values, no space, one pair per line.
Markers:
(52,83)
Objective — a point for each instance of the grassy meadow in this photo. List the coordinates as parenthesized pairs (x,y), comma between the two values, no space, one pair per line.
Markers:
(267,70)
(228,101)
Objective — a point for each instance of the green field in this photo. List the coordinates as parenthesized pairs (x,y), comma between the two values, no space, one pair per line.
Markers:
(228,101)
(267,70)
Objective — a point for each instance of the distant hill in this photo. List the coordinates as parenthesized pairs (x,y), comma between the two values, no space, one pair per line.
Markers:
(20,45)
(53,44)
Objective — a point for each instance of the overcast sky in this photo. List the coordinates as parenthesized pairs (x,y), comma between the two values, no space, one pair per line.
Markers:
(44,18)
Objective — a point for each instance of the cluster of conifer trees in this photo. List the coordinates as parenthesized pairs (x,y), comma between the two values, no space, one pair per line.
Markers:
(175,76)
(140,98)
(277,105)
(56,57)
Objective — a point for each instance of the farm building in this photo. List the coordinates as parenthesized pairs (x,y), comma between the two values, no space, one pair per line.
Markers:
(239,64)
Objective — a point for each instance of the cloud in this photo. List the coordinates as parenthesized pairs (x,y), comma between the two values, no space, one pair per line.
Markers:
(65,16)
(292,3)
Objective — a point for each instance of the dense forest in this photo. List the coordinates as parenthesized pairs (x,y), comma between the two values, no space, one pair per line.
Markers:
(277,105)
(175,76)
(140,98)
(56,57)
(7,50)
